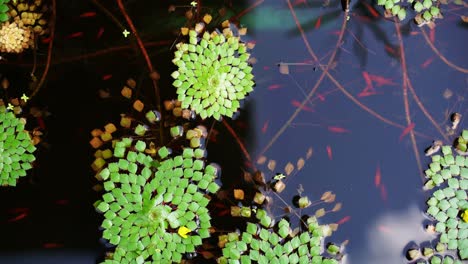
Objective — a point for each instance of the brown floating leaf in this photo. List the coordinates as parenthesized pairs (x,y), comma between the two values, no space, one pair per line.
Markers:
(248,177)
(300,164)
(271,165)
(330,199)
(283,68)
(207,18)
(337,207)
(289,168)
(235,211)
(225,24)
(333,227)
(95,142)
(138,105)
(199,27)
(96,132)
(125,121)
(325,195)
(15,101)
(126,92)
(104,93)
(309,153)
(131,83)
(184,31)
(238,194)
(261,160)
(259,178)
(320,212)
(110,128)
(189,14)
(279,186)
(242,31)
(97,187)
(5,83)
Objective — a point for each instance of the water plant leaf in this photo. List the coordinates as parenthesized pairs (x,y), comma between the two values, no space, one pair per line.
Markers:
(320,212)
(337,207)
(289,168)
(300,163)
(271,165)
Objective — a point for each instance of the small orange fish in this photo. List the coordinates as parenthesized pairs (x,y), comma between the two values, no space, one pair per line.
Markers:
(336,129)
(265,127)
(344,220)
(75,35)
(329,152)
(106,77)
(100,32)
(427,63)
(274,86)
(298,105)
(318,23)
(407,130)
(378,177)
(88,14)
(17,218)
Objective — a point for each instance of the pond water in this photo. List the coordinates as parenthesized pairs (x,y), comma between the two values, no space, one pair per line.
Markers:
(354,87)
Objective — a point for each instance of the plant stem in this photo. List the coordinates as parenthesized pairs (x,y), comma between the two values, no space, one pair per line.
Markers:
(148,63)
(49,50)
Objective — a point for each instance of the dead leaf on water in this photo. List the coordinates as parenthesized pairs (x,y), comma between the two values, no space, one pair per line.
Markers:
(207,18)
(300,164)
(289,168)
(330,199)
(337,207)
(320,212)
(283,68)
(238,194)
(325,195)
(447,93)
(261,160)
(333,227)
(271,165)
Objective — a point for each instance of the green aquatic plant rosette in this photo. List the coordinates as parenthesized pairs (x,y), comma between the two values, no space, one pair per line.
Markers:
(155,209)
(4,10)
(16,148)
(448,177)
(265,245)
(213,74)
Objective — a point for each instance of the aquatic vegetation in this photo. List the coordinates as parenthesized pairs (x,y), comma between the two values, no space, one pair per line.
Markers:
(22,22)
(213,73)
(155,209)
(448,176)
(16,148)
(265,245)
(15,37)
(4,10)
(426,11)
(461,142)
(31,14)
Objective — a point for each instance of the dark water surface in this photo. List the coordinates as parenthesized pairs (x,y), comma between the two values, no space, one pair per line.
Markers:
(349,143)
